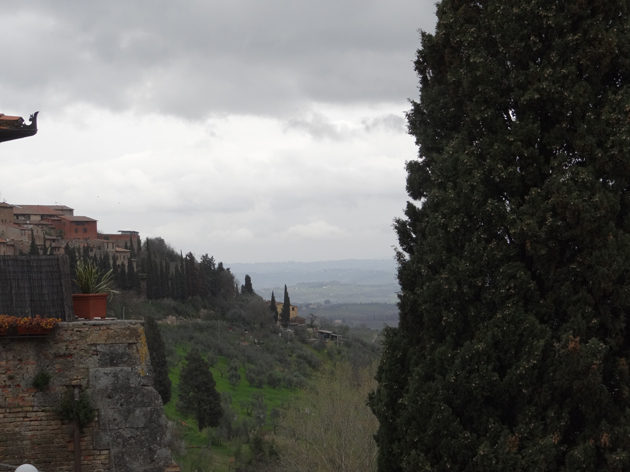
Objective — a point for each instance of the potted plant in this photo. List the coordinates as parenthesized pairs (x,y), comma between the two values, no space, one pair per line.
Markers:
(95,287)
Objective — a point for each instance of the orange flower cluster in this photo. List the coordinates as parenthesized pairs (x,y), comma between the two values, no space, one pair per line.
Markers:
(7,321)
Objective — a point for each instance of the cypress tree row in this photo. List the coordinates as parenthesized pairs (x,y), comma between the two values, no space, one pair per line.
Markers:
(514,265)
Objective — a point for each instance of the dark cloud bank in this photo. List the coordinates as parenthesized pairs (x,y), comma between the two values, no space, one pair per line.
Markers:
(195,59)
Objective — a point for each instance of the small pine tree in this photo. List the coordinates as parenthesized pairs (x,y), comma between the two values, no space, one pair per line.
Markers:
(198,395)
(157,351)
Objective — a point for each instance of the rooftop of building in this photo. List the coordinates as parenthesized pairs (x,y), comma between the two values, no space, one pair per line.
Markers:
(34,210)
(78,218)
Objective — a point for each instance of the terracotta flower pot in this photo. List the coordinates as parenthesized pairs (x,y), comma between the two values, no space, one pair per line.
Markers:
(32,330)
(90,305)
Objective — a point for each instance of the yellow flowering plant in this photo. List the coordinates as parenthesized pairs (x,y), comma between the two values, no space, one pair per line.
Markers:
(7,322)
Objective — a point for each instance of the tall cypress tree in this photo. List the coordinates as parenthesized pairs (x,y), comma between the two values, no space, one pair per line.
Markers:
(165,272)
(248,288)
(123,281)
(182,278)
(285,314)
(157,351)
(514,265)
(150,273)
(34,250)
(131,275)
(274,308)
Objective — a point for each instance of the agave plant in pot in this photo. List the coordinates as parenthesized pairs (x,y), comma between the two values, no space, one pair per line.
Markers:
(95,287)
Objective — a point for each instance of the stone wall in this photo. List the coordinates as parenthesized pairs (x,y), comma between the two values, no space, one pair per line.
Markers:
(110,360)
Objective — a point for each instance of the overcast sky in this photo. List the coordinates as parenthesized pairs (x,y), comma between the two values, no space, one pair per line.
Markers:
(250,130)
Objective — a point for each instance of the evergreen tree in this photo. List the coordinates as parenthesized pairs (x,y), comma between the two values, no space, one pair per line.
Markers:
(285,315)
(156,280)
(193,282)
(157,351)
(514,265)
(162,279)
(132,248)
(177,286)
(198,395)
(248,288)
(123,282)
(166,288)
(106,263)
(207,274)
(34,250)
(274,308)
(131,275)
(116,272)
(182,279)
(72,258)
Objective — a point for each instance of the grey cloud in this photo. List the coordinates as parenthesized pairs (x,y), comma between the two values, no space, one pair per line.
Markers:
(197,59)
(318,126)
(389,122)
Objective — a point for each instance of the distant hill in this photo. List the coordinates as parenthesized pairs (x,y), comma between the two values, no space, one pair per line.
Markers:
(346,281)
(351,271)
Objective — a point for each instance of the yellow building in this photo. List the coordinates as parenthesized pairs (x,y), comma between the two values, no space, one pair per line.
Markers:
(292,314)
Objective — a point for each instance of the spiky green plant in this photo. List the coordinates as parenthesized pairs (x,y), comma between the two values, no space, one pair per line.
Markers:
(90,279)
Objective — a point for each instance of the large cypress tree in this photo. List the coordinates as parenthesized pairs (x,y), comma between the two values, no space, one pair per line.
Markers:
(157,351)
(512,349)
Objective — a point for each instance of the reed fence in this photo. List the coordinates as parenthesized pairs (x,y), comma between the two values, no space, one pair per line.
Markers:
(36,285)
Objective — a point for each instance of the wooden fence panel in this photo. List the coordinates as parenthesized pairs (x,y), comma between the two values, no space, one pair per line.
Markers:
(36,285)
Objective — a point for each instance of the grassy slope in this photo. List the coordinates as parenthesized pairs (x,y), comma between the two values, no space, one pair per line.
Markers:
(221,455)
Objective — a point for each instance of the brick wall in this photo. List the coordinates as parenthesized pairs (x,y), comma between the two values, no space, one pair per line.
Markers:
(111,361)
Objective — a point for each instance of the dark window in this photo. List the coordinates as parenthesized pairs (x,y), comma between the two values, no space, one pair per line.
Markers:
(85,230)
(76,230)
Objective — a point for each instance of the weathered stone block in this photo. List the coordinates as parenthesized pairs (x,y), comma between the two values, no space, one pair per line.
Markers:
(117,355)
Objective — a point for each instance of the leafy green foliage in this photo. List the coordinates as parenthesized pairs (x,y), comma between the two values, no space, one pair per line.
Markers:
(512,347)
(80,411)
(41,380)
(234,377)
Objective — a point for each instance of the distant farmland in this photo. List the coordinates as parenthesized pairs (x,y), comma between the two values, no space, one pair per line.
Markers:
(373,315)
